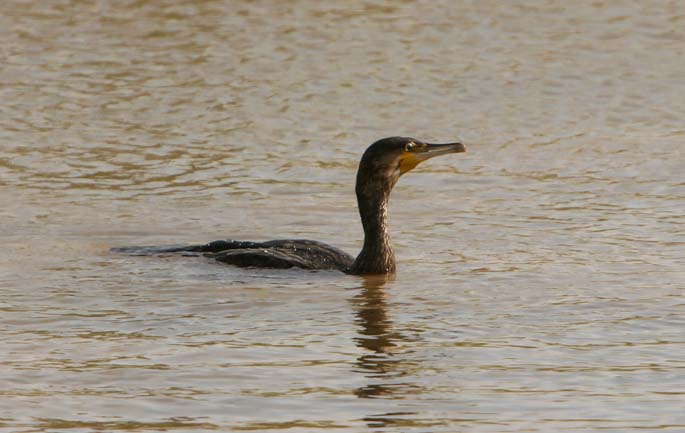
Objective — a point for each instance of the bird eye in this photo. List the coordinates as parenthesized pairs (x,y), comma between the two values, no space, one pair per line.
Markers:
(409,146)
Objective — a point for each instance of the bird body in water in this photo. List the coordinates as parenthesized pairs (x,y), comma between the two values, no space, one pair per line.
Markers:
(379,169)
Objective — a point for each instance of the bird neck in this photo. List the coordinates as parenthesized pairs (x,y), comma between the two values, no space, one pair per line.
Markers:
(376,256)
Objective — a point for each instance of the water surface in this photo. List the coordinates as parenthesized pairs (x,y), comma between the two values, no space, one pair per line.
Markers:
(540,275)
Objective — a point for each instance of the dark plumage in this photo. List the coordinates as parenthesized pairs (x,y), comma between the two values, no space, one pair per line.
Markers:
(379,169)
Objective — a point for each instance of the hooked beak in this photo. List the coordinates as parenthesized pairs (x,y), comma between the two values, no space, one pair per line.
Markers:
(440,149)
(411,160)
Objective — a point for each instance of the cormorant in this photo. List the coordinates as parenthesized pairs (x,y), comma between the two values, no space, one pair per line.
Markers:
(379,169)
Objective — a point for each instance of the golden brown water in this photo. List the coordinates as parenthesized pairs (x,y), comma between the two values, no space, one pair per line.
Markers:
(540,275)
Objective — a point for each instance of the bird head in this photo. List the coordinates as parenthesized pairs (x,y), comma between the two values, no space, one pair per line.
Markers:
(389,158)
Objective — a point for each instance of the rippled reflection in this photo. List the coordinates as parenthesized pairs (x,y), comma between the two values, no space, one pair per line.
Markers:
(382,365)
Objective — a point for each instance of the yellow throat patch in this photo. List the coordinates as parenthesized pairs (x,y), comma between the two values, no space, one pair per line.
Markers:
(408,161)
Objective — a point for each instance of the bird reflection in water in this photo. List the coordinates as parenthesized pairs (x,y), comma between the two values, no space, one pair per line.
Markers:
(379,362)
